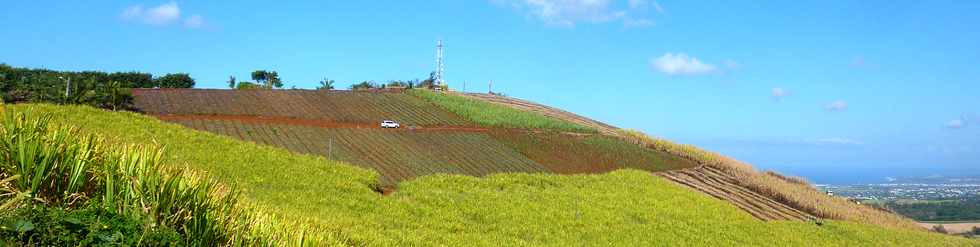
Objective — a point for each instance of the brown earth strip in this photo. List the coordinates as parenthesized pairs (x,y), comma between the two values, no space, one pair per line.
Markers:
(312,122)
(718,184)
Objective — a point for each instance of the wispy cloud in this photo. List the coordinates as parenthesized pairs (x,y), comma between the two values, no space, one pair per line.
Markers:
(955,124)
(837,141)
(194,21)
(778,93)
(568,13)
(960,123)
(680,64)
(838,105)
(160,15)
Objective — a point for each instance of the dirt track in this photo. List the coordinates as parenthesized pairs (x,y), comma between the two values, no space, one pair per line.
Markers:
(314,123)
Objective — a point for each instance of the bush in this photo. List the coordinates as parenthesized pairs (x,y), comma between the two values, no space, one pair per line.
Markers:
(179,80)
(89,226)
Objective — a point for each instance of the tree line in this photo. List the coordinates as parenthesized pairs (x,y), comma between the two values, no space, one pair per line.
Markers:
(269,79)
(96,88)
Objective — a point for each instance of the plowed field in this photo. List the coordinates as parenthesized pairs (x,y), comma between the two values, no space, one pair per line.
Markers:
(570,154)
(332,106)
(397,155)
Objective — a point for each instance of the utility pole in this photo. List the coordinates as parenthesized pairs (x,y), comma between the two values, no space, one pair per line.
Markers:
(67,85)
(464,86)
(490,87)
(439,66)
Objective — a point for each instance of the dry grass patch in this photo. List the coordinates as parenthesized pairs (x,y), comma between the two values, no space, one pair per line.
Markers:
(795,192)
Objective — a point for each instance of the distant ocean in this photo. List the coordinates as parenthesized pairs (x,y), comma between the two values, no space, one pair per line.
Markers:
(867,175)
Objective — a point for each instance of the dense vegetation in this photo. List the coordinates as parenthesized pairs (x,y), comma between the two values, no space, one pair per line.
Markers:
(59,187)
(952,210)
(99,89)
(489,114)
(624,208)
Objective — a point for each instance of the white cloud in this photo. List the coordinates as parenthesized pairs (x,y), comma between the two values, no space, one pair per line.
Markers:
(837,141)
(680,64)
(632,13)
(161,15)
(839,105)
(731,64)
(778,93)
(132,12)
(955,124)
(194,21)
(638,23)
(656,5)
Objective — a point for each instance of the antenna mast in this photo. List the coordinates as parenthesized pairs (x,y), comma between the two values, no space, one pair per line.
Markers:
(439,66)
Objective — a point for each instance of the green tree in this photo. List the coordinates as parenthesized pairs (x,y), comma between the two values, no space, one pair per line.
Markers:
(364,85)
(260,76)
(325,84)
(179,80)
(270,79)
(231,82)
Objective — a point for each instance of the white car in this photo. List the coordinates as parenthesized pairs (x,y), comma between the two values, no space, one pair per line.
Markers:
(390,124)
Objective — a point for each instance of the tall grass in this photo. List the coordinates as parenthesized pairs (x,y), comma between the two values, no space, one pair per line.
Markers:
(57,166)
(792,191)
(488,114)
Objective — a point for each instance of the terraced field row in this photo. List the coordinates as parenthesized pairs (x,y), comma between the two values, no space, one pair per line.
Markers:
(572,154)
(333,106)
(396,155)
(716,183)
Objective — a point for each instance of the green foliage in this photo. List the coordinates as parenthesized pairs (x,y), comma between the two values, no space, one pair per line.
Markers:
(90,225)
(488,114)
(268,79)
(231,82)
(99,89)
(179,80)
(248,85)
(337,202)
(47,169)
(325,84)
(364,85)
(958,210)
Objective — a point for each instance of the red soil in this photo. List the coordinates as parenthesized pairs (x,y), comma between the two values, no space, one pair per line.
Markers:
(314,123)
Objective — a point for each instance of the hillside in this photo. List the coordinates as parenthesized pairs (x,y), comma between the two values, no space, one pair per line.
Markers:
(480,134)
(621,208)
(342,125)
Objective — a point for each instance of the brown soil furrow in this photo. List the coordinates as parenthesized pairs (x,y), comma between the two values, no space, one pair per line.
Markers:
(719,185)
(684,180)
(744,195)
(739,199)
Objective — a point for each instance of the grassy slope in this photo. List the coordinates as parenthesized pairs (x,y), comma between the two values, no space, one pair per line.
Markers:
(621,208)
(489,114)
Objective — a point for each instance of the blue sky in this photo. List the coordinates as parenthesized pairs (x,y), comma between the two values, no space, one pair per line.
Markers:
(838,91)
